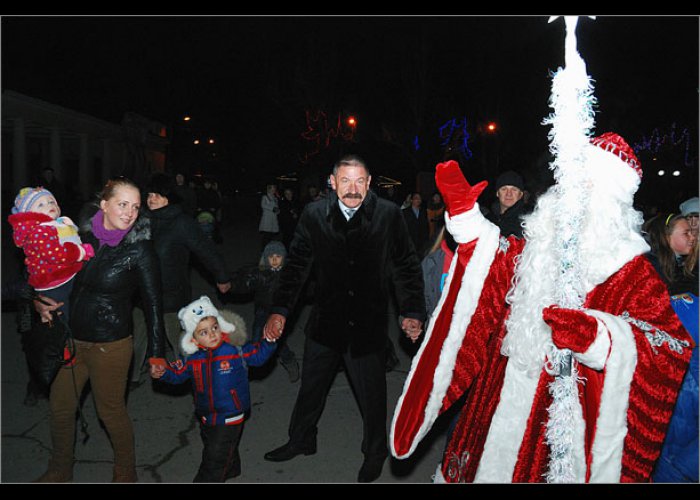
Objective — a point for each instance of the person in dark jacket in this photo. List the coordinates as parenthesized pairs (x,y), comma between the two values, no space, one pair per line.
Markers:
(356,243)
(262,280)
(125,263)
(186,195)
(674,254)
(508,210)
(416,218)
(436,266)
(217,361)
(176,237)
(288,216)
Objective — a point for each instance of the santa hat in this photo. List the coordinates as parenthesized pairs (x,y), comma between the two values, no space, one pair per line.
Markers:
(27,197)
(613,143)
(612,164)
(192,314)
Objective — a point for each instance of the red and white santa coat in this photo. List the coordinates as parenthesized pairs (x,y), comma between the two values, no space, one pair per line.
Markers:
(631,373)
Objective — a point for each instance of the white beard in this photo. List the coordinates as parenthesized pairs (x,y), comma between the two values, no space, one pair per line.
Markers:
(609,238)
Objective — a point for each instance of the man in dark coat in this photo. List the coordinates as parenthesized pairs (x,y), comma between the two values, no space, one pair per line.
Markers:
(508,210)
(359,249)
(288,216)
(416,218)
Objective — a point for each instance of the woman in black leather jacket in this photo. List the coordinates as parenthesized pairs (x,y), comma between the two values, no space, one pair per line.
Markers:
(176,238)
(101,303)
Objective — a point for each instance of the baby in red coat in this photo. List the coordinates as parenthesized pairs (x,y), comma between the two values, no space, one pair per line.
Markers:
(53,250)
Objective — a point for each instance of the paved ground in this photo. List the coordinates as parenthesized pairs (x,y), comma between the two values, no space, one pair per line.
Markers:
(168,446)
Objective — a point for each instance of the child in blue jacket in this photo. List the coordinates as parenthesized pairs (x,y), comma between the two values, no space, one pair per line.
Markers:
(217,357)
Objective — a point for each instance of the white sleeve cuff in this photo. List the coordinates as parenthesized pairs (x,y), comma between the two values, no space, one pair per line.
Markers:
(467,226)
(597,354)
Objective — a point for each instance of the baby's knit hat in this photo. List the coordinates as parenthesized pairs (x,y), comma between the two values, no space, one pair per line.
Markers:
(27,196)
(192,314)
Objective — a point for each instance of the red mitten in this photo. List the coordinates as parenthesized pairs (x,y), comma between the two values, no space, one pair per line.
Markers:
(458,195)
(71,251)
(571,329)
(157,362)
(68,357)
(89,251)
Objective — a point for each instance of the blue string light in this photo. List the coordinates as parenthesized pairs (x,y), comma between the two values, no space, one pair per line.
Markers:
(454,136)
(658,139)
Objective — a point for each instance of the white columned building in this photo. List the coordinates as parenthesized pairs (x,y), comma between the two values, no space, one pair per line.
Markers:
(84,151)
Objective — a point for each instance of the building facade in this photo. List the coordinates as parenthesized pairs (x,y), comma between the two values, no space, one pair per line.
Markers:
(83,151)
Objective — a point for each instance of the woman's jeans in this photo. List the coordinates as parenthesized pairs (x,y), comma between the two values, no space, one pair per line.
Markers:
(105,365)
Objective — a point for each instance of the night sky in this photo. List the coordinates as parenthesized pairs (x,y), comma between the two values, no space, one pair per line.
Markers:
(248,80)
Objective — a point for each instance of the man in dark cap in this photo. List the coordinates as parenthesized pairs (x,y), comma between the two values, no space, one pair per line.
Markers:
(506,213)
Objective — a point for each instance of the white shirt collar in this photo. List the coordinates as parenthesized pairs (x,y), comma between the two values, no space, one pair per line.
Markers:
(344,209)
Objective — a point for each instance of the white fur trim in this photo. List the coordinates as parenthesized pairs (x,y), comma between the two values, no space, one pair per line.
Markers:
(467,299)
(611,426)
(510,419)
(507,427)
(597,354)
(187,344)
(467,226)
(438,478)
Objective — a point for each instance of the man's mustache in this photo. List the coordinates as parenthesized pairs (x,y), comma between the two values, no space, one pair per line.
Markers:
(352,196)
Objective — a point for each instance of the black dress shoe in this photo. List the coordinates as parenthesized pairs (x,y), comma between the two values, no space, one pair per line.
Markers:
(288,451)
(371,469)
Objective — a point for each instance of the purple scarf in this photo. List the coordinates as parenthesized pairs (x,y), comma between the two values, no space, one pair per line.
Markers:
(111,237)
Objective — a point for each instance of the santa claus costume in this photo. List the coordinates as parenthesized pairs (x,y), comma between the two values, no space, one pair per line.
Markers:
(564,342)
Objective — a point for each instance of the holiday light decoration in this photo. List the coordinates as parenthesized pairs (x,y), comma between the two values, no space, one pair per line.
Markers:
(319,133)
(672,138)
(454,136)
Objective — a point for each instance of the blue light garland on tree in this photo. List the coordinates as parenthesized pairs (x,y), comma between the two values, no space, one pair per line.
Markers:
(658,139)
(453,137)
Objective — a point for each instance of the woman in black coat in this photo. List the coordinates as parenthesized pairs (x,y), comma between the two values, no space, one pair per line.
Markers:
(101,302)
(176,237)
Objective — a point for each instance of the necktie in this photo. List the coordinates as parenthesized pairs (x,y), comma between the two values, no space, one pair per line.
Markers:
(350,212)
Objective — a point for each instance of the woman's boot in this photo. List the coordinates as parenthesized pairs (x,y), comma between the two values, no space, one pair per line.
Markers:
(124,474)
(56,474)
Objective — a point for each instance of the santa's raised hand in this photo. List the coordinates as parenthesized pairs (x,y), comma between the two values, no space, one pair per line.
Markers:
(458,194)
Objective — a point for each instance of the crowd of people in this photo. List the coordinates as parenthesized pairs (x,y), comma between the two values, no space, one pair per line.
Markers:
(134,258)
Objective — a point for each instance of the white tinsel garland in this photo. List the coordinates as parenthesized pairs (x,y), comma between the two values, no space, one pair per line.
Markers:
(572,121)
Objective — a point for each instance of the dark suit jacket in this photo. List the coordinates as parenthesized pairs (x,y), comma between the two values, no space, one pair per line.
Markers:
(355,266)
(418,229)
